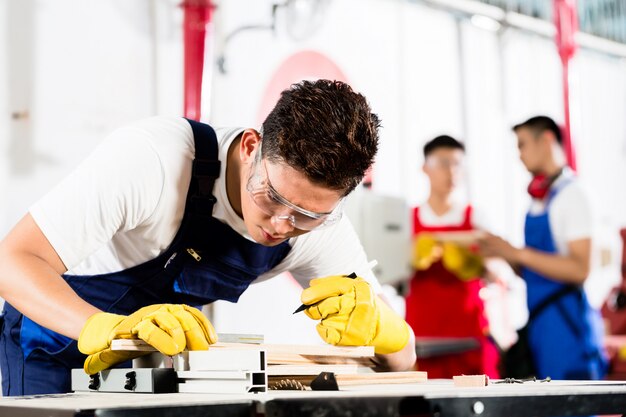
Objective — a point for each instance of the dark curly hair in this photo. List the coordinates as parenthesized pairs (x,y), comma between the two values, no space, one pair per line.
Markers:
(325,130)
(540,124)
(443,141)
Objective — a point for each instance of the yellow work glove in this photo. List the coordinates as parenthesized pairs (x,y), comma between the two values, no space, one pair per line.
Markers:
(352,315)
(462,262)
(170,328)
(426,251)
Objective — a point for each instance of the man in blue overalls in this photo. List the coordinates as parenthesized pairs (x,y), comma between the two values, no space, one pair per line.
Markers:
(566,336)
(168,214)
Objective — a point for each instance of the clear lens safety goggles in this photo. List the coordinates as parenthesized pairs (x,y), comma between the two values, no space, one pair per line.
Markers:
(278,207)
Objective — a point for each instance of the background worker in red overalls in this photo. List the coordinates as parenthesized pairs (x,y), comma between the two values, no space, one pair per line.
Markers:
(443,298)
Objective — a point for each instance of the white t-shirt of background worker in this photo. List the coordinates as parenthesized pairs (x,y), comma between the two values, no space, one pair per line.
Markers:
(453,217)
(123,205)
(569,212)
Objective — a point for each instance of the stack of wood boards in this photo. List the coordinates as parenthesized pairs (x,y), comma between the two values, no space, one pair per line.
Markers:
(351,365)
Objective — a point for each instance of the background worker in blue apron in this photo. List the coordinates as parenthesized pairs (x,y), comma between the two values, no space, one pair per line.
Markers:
(565,337)
(168,214)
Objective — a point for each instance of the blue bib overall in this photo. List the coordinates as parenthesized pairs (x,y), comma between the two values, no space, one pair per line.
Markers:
(35,360)
(566,337)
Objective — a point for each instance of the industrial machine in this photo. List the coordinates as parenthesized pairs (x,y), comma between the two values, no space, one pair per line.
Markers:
(383,225)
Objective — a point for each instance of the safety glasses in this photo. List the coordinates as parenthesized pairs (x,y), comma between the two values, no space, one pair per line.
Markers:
(278,207)
(444,163)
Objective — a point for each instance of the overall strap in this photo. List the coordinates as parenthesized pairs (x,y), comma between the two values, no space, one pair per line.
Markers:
(205,170)
(557,189)
(551,299)
(417,224)
(467,219)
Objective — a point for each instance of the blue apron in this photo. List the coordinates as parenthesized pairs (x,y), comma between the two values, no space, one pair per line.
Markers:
(566,337)
(35,360)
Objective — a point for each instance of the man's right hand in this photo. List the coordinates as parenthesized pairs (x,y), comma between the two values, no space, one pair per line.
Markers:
(170,328)
(350,314)
(426,251)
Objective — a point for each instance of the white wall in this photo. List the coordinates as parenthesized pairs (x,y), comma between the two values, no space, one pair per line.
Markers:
(599,129)
(79,69)
(4,119)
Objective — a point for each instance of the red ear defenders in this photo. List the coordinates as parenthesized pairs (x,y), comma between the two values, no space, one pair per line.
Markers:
(540,185)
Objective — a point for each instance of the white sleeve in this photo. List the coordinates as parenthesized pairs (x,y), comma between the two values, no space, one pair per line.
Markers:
(336,250)
(570,217)
(115,189)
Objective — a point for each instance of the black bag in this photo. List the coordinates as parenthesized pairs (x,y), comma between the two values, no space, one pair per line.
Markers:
(517,361)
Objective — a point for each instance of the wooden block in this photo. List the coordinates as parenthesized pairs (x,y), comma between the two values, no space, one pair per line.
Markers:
(131,345)
(311,369)
(295,359)
(278,354)
(276,349)
(349,380)
(463,238)
(407,377)
(470,380)
(254,339)
(308,350)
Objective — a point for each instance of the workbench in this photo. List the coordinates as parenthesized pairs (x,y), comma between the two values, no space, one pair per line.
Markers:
(438,398)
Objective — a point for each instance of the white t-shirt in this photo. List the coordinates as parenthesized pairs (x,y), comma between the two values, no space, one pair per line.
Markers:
(453,217)
(569,212)
(124,204)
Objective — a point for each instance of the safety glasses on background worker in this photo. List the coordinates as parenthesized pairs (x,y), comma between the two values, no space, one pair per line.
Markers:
(445,163)
(273,204)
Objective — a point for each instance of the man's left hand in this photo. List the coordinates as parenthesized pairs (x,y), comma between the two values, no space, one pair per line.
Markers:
(351,314)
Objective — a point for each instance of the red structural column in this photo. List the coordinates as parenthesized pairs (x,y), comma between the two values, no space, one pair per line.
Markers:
(566,22)
(197,15)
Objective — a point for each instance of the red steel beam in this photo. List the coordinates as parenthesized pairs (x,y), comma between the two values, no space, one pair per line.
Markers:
(566,22)
(197,15)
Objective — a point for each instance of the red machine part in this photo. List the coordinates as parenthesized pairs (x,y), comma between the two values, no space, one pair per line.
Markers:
(623,233)
(566,22)
(614,310)
(614,313)
(197,16)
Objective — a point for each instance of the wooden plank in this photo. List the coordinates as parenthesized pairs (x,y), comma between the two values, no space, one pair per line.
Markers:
(308,350)
(132,345)
(295,359)
(359,379)
(277,350)
(463,238)
(241,338)
(408,377)
(310,369)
